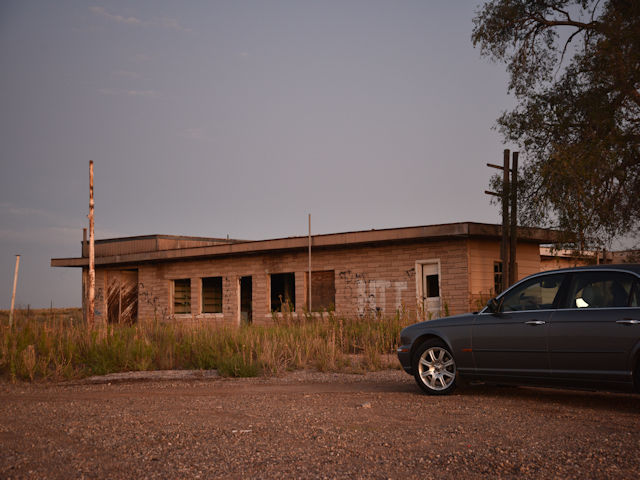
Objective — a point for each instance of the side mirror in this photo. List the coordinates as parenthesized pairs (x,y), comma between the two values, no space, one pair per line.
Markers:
(493,306)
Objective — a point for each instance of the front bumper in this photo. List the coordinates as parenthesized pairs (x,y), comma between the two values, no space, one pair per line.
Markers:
(404,355)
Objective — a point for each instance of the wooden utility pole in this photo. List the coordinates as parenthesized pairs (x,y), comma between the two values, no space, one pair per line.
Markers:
(309,263)
(513,235)
(92,266)
(85,276)
(509,234)
(504,244)
(13,294)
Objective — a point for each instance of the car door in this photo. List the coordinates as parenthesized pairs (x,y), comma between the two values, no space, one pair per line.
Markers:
(591,338)
(513,341)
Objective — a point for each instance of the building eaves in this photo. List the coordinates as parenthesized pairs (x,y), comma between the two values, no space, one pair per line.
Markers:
(333,240)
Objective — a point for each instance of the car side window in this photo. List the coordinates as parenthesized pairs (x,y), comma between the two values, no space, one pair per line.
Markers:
(601,290)
(536,294)
(634,301)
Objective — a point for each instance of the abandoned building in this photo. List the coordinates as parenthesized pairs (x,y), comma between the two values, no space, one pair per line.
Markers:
(428,270)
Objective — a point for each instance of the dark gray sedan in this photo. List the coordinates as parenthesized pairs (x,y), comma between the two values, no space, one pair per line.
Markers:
(577,327)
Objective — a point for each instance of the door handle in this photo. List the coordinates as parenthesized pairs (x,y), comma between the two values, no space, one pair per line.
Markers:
(535,322)
(628,321)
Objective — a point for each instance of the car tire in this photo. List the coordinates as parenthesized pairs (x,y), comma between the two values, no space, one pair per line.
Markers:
(435,368)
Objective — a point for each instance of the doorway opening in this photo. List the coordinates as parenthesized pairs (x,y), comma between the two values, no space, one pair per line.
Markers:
(122,296)
(428,287)
(246,300)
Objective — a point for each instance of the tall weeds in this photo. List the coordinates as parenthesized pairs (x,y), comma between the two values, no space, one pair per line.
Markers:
(56,345)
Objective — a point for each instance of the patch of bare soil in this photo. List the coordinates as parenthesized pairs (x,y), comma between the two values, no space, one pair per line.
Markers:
(312,425)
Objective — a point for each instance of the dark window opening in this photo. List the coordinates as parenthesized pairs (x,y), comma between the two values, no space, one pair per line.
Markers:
(182,296)
(433,286)
(212,295)
(283,292)
(323,290)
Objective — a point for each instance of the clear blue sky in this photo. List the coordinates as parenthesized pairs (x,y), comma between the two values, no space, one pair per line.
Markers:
(235,117)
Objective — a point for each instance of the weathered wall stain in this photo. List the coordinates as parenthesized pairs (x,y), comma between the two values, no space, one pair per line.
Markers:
(98,301)
(229,299)
(371,294)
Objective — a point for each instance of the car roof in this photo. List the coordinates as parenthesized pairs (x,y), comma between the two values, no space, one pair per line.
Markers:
(629,267)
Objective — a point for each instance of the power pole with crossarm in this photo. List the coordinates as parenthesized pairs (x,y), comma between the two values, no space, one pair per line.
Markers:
(509,232)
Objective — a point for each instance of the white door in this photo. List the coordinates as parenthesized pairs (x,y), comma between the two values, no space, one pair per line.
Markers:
(431,289)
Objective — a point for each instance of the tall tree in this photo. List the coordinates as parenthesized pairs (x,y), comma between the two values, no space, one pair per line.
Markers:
(575,71)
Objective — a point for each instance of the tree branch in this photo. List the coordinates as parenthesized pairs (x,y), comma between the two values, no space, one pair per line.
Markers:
(566,14)
(566,44)
(593,25)
(593,12)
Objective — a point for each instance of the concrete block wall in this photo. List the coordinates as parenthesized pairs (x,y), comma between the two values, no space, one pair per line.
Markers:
(368,279)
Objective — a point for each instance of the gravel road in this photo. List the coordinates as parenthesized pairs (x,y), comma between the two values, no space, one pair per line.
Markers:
(312,425)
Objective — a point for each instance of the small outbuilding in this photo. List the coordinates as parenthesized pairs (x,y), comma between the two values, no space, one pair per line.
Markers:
(425,271)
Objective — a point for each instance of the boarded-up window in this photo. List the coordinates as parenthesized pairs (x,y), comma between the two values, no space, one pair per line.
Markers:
(323,290)
(182,295)
(283,292)
(212,295)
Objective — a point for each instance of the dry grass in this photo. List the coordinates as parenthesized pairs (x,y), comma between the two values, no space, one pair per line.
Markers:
(56,345)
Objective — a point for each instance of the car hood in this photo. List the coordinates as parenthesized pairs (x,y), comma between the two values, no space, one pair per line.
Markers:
(463,319)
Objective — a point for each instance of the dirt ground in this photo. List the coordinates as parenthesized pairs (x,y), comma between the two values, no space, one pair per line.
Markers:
(312,425)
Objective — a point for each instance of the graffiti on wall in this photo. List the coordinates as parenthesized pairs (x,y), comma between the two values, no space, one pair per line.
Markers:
(98,301)
(372,295)
(147,297)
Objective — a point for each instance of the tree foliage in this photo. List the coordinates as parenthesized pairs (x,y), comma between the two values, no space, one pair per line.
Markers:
(575,70)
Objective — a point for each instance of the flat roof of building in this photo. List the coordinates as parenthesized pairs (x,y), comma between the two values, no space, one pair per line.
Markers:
(157,236)
(224,247)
